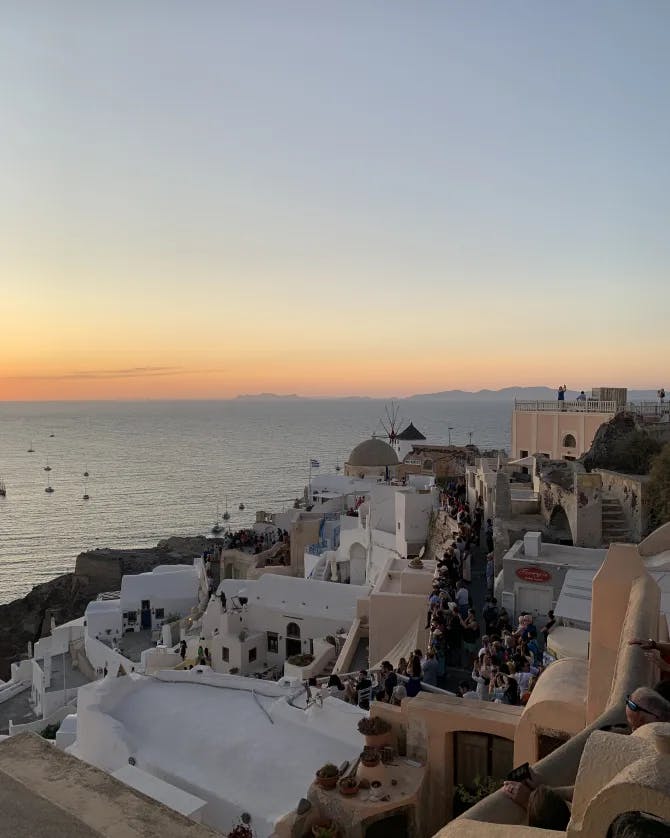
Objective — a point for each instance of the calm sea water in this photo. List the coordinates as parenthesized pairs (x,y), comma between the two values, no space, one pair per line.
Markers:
(159,468)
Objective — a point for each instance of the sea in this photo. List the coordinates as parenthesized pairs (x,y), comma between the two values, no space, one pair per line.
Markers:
(161,468)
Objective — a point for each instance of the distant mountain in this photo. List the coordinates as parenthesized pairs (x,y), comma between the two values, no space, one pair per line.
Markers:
(266,396)
(510,393)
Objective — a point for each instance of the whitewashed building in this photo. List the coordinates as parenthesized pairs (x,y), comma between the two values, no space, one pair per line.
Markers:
(270,619)
(233,745)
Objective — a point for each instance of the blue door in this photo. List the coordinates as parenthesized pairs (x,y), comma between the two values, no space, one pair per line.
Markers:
(146,614)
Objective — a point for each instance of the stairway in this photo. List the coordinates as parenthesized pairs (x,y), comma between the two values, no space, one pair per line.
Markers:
(614,522)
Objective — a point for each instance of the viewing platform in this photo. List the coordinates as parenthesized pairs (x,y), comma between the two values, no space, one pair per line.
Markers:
(647,409)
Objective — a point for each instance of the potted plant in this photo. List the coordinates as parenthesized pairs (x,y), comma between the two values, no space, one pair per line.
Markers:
(348,786)
(327,775)
(465,797)
(325,829)
(369,757)
(376,730)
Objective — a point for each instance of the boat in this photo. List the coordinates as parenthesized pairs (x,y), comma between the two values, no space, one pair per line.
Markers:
(47,467)
(3,489)
(49,489)
(337,465)
(241,506)
(86,472)
(217,528)
(52,435)
(226,514)
(31,450)
(86,495)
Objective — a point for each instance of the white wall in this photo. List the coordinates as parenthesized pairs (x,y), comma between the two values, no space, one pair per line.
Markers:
(103,618)
(412,518)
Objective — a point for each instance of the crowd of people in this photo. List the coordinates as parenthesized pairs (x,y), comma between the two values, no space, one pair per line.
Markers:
(254,542)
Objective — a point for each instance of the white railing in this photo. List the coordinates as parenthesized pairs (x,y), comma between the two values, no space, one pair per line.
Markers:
(649,408)
(587,406)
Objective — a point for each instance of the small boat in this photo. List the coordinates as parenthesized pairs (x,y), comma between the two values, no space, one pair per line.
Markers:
(52,435)
(86,496)
(337,465)
(49,489)
(226,514)
(217,528)
(241,506)
(31,450)
(3,489)
(86,472)
(47,467)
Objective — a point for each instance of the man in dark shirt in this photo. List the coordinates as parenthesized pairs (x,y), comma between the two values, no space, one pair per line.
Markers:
(389,681)
(363,683)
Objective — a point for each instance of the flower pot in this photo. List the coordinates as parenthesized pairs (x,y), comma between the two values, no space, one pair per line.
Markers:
(378,740)
(347,789)
(328,783)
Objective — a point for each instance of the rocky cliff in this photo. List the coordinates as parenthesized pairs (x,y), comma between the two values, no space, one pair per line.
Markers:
(66,597)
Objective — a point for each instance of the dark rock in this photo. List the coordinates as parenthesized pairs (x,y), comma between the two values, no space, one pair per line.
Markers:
(621,445)
(303,806)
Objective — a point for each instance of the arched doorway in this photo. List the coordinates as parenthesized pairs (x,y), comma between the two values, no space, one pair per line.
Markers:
(559,526)
(293,642)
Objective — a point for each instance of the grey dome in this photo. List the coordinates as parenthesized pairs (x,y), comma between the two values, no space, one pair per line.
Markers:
(373,452)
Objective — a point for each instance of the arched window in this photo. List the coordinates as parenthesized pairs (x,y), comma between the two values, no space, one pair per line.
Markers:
(569,441)
(293,630)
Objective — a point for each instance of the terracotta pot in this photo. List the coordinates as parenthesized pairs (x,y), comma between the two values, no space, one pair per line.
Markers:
(326,782)
(379,740)
(347,790)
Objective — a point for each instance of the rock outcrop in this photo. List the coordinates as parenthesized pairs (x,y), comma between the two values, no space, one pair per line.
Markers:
(66,597)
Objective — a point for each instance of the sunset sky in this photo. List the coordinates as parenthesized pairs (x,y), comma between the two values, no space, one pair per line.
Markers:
(202,199)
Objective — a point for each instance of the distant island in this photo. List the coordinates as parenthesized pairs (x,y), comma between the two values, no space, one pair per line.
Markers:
(506,394)
(266,396)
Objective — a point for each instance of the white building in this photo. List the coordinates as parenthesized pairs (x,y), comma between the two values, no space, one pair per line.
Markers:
(234,744)
(121,634)
(273,618)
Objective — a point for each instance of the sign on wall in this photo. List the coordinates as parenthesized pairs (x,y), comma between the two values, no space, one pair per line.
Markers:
(533,574)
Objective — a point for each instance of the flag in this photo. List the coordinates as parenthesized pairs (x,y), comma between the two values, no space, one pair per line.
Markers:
(314,464)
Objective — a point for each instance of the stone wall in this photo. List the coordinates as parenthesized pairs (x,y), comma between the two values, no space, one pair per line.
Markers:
(632,493)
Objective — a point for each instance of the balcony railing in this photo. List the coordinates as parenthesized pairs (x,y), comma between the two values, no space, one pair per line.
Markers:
(587,406)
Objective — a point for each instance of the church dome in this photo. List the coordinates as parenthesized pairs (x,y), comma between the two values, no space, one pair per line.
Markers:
(373,452)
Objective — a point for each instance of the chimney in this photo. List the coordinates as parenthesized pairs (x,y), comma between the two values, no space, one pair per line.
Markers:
(532,544)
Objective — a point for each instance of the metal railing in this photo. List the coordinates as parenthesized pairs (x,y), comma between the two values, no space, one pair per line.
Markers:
(577,406)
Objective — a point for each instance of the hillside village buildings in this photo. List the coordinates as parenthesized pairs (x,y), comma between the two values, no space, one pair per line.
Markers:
(348,588)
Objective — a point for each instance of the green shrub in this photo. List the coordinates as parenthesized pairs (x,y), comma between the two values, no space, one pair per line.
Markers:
(659,488)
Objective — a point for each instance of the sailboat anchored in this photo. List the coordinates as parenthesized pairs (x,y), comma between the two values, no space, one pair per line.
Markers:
(3,489)
(47,467)
(226,514)
(217,524)
(31,450)
(49,489)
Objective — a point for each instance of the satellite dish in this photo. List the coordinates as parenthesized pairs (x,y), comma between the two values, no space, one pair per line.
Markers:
(422,551)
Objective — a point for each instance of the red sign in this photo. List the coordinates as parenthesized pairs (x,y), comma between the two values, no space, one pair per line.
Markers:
(533,574)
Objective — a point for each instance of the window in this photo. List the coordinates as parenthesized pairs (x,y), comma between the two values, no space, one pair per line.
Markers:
(160,613)
(293,630)
(252,655)
(273,642)
(132,616)
(569,441)
(225,654)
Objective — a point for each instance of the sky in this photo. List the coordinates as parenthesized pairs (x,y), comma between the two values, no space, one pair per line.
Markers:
(211,198)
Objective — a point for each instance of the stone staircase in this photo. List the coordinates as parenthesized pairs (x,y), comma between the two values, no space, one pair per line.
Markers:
(614,522)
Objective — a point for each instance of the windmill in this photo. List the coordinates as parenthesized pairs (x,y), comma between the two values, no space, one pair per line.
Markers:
(390,422)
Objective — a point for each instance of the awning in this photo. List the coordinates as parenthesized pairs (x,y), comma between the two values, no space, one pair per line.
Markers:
(415,638)
(526,462)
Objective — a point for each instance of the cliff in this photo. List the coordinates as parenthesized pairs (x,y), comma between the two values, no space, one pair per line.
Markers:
(66,597)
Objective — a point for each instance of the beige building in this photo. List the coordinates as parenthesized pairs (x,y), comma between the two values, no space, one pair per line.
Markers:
(561,430)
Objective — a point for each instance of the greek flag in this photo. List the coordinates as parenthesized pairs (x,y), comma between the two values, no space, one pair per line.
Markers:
(314,464)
